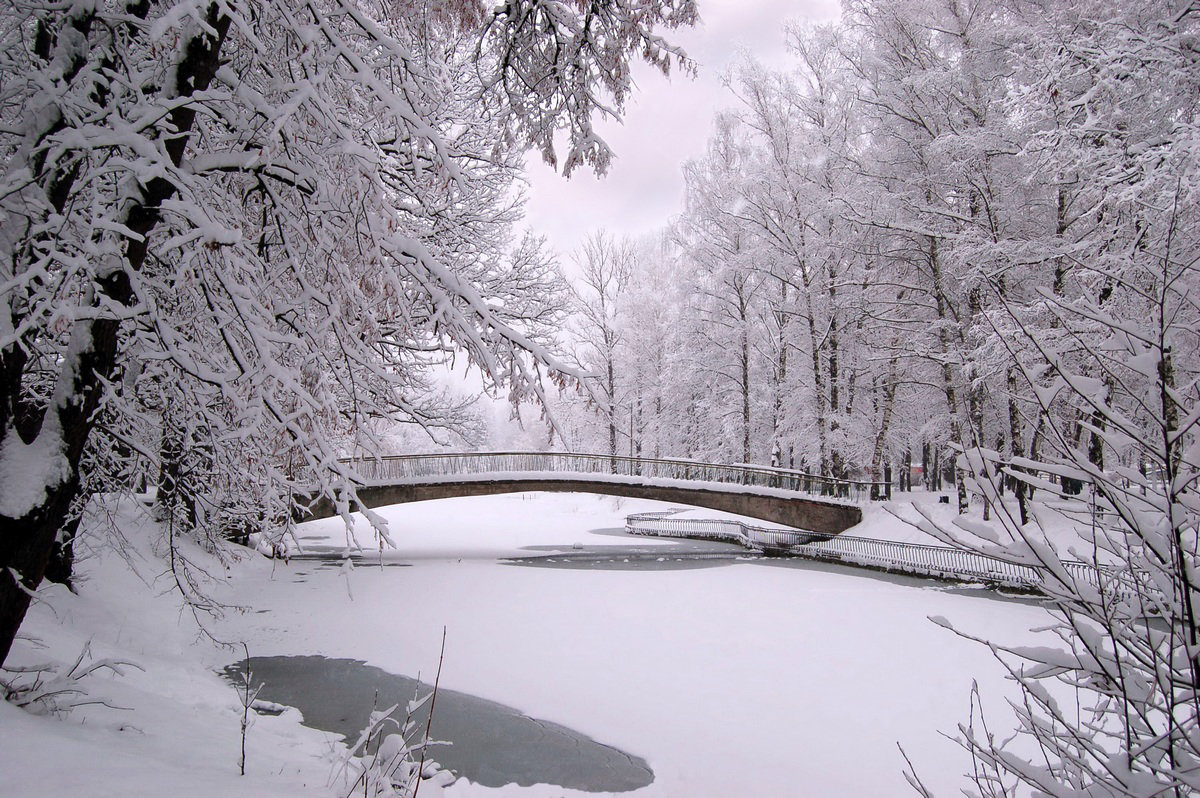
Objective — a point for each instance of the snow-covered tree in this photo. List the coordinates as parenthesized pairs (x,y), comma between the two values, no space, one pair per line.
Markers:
(605,267)
(802,201)
(726,288)
(234,229)
(1113,706)
(655,348)
(1107,358)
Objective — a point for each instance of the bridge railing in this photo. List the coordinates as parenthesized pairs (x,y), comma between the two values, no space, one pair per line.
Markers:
(661,524)
(418,466)
(914,558)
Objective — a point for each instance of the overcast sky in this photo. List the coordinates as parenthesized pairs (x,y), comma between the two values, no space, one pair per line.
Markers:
(666,123)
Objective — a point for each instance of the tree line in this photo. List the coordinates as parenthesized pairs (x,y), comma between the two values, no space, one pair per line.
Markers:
(960,233)
(869,226)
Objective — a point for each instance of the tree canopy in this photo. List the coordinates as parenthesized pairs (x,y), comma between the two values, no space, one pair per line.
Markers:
(231,232)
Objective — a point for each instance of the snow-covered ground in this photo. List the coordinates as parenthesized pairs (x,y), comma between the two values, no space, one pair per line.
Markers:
(1056,520)
(752,677)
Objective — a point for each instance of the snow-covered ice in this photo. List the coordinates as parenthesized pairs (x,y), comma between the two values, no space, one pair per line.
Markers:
(752,677)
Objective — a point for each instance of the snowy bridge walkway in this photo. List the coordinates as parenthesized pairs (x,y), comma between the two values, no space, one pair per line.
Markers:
(779,496)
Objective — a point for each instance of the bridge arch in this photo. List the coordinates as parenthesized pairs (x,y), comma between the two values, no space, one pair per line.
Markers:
(772,495)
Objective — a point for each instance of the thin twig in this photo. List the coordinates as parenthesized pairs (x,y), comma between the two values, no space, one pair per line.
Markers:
(429,722)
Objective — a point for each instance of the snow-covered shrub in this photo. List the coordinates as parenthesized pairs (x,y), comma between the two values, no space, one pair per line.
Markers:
(54,689)
(389,756)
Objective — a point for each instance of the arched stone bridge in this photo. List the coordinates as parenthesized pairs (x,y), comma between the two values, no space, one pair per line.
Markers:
(780,496)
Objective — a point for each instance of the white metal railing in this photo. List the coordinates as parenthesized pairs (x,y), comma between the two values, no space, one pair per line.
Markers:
(418,466)
(914,558)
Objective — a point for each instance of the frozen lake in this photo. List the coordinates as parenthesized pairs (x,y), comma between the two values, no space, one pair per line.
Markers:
(728,674)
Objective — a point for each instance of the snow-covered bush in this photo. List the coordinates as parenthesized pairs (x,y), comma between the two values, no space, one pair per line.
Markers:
(50,689)
(389,757)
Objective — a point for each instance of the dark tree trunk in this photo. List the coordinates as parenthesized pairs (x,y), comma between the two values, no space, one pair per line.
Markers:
(926,466)
(1015,434)
(25,545)
(611,388)
(26,542)
(61,567)
(745,368)
(885,422)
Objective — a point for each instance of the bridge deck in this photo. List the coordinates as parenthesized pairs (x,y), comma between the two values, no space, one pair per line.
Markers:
(421,466)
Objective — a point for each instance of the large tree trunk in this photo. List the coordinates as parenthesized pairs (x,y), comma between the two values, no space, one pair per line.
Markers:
(814,341)
(781,351)
(61,567)
(610,388)
(975,400)
(27,540)
(25,545)
(28,534)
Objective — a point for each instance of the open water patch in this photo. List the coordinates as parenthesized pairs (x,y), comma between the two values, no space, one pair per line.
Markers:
(637,554)
(490,743)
